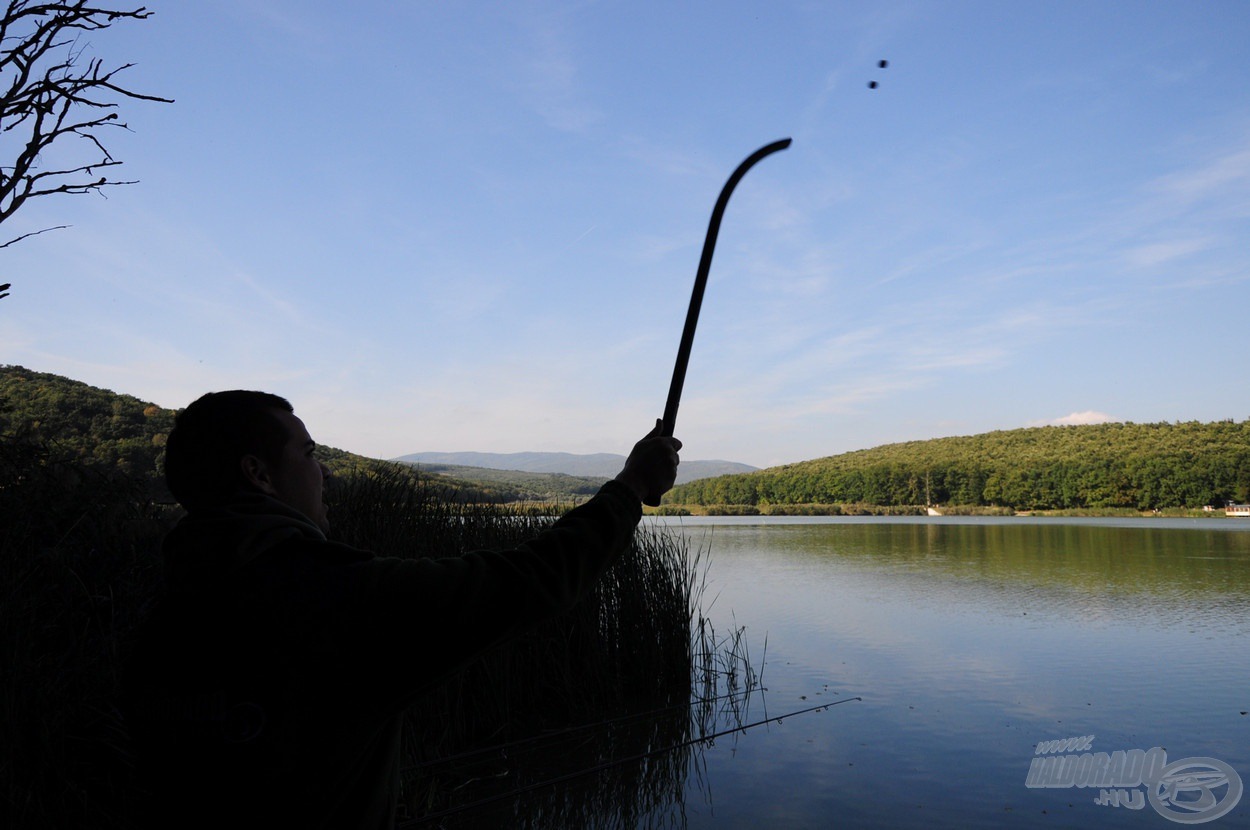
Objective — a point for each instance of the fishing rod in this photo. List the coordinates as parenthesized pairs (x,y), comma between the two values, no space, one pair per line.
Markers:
(559,733)
(606,765)
(700,282)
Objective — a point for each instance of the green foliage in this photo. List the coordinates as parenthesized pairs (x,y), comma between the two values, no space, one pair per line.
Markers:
(80,533)
(115,434)
(1123,465)
(122,435)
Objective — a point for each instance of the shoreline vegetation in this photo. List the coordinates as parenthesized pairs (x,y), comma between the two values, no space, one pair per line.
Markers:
(1109,469)
(81,568)
(922,510)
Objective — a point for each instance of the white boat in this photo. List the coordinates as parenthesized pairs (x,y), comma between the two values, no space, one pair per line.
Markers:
(930,509)
(1240,511)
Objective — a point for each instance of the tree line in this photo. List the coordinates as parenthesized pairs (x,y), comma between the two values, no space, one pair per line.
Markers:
(116,435)
(1120,465)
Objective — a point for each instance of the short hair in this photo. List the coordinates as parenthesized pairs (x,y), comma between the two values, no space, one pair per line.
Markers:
(212,435)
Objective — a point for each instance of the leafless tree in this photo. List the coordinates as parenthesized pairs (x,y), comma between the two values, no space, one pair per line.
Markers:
(50,89)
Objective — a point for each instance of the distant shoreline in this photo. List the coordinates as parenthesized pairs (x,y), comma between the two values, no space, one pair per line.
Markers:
(922,510)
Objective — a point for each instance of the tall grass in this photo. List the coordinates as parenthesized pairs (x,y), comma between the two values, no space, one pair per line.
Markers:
(77,565)
(627,647)
(80,565)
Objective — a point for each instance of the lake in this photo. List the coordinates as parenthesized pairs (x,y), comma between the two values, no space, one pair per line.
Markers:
(970,641)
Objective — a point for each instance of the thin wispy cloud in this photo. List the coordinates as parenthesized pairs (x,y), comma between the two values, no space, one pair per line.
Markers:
(663,157)
(1225,175)
(548,73)
(1211,198)
(1162,253)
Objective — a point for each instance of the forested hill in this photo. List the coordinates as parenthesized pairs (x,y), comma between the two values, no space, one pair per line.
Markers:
(1140,466)
(70,422)
(81,424)
(119,435)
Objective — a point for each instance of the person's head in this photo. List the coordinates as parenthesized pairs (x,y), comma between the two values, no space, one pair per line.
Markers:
(227,442)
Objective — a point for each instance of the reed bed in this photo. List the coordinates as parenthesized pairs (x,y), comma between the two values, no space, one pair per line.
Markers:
(78,566)
(627,648)
(81,565)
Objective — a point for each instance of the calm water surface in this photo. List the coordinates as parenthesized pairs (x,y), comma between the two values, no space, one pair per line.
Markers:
(969,641)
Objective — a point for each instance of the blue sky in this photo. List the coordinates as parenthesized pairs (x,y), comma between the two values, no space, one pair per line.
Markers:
(470,226)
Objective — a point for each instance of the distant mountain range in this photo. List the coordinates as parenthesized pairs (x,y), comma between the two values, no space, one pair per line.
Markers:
(595,465)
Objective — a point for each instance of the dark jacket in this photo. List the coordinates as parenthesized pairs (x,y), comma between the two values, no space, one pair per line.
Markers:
(267,687)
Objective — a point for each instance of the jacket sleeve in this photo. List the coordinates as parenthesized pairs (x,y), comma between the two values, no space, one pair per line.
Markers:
(409,622)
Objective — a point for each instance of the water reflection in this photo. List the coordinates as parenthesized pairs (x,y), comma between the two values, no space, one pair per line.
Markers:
(970,642)
(1142,575)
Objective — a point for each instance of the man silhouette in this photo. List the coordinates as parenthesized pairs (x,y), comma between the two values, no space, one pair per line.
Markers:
(266,689)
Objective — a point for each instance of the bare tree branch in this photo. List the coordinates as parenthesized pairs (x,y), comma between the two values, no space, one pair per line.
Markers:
(25,236)
(51,92)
